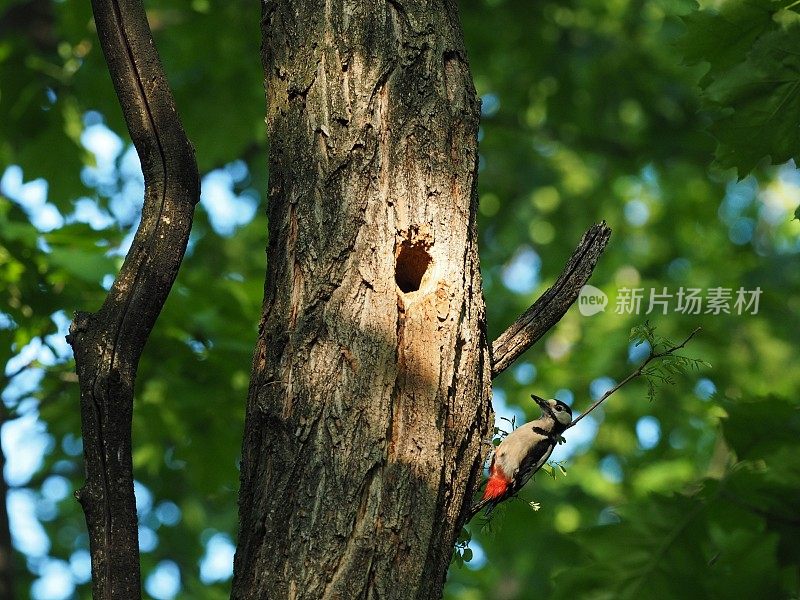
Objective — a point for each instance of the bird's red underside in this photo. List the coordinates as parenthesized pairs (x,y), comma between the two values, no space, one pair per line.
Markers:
(497,484)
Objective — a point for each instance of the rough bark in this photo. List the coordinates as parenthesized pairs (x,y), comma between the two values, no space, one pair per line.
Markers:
(370,388)
(109,343)
(548,309)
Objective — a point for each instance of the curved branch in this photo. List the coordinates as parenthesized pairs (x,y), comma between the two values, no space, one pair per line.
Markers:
(109,343)
(551,306)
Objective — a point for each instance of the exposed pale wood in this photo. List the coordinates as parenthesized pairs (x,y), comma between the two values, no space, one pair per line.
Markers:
(369,401)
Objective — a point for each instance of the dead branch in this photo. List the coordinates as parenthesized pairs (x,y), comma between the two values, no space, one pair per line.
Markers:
(551,306)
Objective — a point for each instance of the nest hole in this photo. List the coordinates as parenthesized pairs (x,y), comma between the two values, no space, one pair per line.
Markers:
(412,263)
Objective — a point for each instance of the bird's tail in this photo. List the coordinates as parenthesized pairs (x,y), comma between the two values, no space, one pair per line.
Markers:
(479,506)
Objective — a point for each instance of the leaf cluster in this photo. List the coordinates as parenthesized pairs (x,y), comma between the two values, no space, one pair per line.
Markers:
(663,364)
(751,87)
(734,534)
(462,553)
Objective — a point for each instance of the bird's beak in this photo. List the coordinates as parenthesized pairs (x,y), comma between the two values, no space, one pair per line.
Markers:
(540,401)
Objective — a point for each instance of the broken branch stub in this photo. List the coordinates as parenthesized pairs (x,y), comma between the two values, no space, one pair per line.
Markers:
(554,303)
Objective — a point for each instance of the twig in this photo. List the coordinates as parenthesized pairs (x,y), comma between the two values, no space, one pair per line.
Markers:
(6,379)
(551,306)
(640,370)
(637,373)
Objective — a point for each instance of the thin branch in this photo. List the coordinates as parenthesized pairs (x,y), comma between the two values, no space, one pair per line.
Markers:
(6,379)
(109,343)
(551,306)
(7,413)
(637,373)
(6,547)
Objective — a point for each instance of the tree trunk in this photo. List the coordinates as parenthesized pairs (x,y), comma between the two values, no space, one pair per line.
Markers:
(369,398)
(7,591)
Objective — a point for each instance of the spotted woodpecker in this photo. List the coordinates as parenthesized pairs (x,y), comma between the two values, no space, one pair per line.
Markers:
(523,452)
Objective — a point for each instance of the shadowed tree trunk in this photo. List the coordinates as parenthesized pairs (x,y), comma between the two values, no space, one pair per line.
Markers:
(369,396)
(108,343)
(7,591)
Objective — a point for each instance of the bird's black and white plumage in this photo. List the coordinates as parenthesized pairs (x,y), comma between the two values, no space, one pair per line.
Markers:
(523,452)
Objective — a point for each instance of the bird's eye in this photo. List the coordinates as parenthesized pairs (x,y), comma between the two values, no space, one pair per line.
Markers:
(558,408)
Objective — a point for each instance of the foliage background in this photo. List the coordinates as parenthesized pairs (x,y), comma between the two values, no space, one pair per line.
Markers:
(676,123)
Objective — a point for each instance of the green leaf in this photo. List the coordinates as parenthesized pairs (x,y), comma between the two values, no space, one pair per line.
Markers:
(762,96)
(723,38)
(83,264)
(752,86)
(751,431)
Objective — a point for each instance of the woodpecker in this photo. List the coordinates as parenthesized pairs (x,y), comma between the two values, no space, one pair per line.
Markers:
(523,452)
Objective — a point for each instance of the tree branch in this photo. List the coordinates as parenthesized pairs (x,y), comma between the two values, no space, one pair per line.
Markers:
(637,373)
(6,547)
(551,306)
(109,343)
